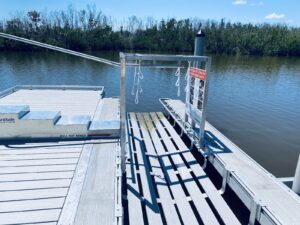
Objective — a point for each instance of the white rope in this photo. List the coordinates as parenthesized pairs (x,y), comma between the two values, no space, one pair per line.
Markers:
(188,70)
(187,75)
(137,88)
(177,84)
(134,80)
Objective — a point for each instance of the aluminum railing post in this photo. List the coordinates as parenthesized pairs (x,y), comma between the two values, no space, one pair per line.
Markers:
(296,182)
(123,110)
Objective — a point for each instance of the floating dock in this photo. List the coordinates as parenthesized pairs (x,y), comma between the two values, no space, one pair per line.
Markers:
(24,113)
(178,169)
(46,181)
(79,180)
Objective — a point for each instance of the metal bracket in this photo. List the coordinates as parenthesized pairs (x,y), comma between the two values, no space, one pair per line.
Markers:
(181,132)
(119,211)
(192,144)
(226,175)
(255,208)
(205,163)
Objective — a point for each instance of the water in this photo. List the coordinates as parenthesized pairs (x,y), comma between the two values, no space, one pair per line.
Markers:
(255,101)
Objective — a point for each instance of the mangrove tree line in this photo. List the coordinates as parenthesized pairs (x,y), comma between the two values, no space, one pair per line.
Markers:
(89,29)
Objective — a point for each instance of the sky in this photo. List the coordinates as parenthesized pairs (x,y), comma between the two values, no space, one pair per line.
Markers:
(245,11)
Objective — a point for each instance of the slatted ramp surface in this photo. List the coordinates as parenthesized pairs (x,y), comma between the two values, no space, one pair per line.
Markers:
(165,183)
(282,205)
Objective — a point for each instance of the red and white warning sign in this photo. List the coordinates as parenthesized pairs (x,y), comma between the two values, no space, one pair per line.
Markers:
(198,73)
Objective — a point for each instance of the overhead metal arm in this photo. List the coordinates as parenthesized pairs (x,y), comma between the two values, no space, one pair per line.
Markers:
(158,57)
(59,49)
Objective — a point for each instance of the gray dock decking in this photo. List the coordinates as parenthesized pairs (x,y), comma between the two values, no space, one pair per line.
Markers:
(60,182)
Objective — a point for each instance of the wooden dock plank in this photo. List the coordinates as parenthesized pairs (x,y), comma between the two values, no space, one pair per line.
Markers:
(219,203)
(181,200)
(201,204)
(165,197)
(26,185)
(37,169)
(33,194)
(149,195)
(30,205)
(96,205)
(38,216)
(134,196)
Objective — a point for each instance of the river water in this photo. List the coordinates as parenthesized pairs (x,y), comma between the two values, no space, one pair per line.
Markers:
(254,101)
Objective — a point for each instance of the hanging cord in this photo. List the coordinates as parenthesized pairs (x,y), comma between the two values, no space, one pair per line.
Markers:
(137,88)
(177,84)
(187,75)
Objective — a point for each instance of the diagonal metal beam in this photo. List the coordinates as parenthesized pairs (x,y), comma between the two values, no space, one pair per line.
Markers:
(59,49)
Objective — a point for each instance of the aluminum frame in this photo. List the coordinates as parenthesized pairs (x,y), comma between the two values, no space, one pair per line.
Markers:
(124,58)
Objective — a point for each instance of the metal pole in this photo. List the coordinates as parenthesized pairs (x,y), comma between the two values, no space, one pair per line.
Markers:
(123,110)
(296,182)
(203,119)
(199,51)
(199,44)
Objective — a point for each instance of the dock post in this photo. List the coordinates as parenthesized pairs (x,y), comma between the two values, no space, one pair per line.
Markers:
(123,111)
(199,51)
(296,182)
(199,44)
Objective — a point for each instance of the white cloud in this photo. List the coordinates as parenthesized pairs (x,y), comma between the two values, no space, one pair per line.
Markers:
(239,2)
(257,3)
(274,16)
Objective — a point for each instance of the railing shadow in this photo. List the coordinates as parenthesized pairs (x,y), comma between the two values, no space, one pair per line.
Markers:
(151,203)
(214,145)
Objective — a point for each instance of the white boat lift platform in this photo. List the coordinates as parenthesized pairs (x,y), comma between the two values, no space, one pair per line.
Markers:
(165,183)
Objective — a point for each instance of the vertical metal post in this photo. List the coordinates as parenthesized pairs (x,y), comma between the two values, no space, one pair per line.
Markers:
(296,182)
(123,110)
(199,44)
(203,119)
(199,51)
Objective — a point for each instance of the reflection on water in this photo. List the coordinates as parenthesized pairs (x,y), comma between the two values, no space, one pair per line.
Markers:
(255,101)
